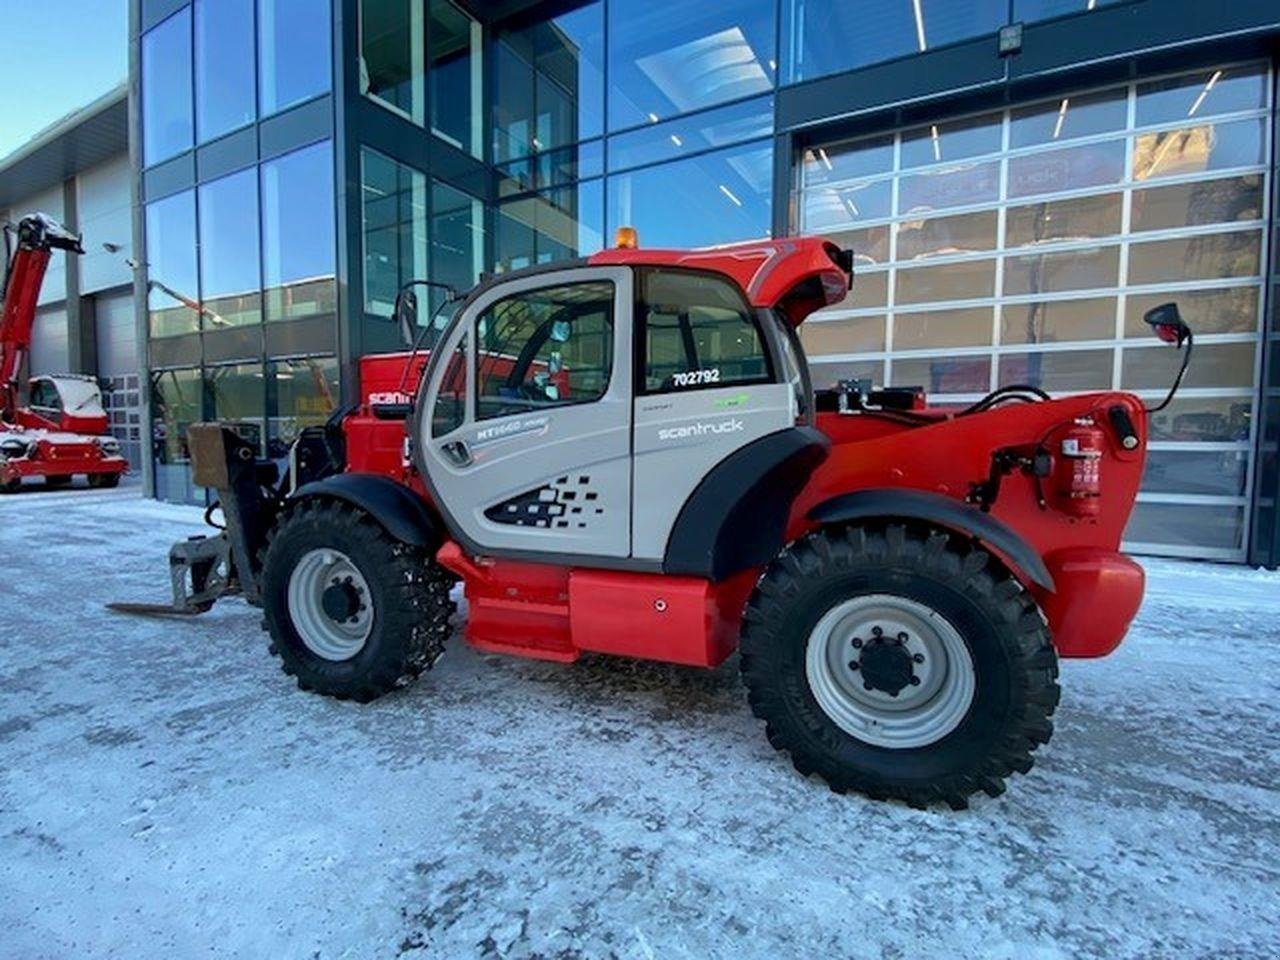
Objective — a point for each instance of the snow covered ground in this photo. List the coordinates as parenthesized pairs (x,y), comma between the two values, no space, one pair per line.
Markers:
(166,792)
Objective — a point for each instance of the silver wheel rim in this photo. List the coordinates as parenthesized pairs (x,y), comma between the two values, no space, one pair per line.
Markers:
(331,639)
(921,713)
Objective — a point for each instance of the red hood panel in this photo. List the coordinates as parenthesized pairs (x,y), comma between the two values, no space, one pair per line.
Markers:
(766,270)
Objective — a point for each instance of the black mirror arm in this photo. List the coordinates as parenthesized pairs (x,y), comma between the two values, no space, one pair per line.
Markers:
(1182,372)
(450,295)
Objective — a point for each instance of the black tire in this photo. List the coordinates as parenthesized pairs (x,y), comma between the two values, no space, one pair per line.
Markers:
(57,480)
(11,486)
(408,590)
(1014,663)
(103,480)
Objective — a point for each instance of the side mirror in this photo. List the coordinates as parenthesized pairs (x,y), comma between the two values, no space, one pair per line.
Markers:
(1168,323)
(406,314)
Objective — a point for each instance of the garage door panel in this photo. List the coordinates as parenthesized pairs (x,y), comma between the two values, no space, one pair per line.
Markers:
(1062,222)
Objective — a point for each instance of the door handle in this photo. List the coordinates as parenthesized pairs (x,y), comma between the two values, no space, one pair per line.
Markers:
(457,453)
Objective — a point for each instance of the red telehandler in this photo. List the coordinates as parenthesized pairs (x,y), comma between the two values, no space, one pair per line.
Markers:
(625,455)
(63,429)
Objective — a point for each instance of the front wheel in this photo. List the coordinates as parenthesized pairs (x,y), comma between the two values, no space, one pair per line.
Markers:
(899,661)
(104,480)
(353,613)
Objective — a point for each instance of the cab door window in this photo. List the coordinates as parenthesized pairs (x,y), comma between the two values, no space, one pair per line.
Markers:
(544,348)
(450,409)
(698,332)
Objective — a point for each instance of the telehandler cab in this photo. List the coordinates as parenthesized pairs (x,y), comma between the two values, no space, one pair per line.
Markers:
(625,455)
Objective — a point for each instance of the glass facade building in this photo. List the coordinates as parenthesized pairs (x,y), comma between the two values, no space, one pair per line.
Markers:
(1019,180)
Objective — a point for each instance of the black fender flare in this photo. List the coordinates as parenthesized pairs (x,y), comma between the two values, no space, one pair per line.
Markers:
(943,511)
(736,517)
(400,511)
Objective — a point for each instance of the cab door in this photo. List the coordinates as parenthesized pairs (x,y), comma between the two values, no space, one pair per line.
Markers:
(708,382)
(524,433)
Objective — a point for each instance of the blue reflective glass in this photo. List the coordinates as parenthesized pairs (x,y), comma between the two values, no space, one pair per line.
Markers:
(746,120)
(300,393)
(394,214)
(552,225)
(553,168)
(714,198)
(457,238)
(294,52)
(171,265)
(453,49)
(1028,10)
(229,274)
(177,401)
(1201,94)
(224,66)
(237,392)
(827,36)
(167,127)
(670,57)
(298,247)
(548,81)
(392,68)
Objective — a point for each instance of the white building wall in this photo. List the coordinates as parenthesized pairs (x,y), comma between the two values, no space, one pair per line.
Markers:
(55,278)
(102,195)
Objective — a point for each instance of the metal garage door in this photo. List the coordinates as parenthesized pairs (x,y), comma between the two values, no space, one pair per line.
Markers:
(1024,245)
(49,343)
(117,333)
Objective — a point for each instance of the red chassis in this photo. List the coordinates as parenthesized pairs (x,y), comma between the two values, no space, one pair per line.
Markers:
(56,455)
(1088,591)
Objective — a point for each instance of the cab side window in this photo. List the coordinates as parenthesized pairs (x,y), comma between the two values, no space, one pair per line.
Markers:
(45,395)
(544,348)
(698,332)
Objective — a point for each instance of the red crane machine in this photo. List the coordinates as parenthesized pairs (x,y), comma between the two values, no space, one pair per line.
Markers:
(61,430)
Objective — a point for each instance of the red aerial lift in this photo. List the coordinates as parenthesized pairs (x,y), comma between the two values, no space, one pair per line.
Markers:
(625,455)
(62,430)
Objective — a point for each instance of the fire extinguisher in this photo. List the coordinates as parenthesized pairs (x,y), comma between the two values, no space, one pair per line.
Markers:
(1077,481)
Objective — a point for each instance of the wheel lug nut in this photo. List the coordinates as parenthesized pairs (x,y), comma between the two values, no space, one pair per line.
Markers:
(866,686)
(893,693)
(877,632)
(918,658)
(854,665)
(902,638)
(915,682)
(857,642)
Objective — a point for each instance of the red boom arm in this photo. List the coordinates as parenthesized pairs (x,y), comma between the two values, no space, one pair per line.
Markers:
(37,235)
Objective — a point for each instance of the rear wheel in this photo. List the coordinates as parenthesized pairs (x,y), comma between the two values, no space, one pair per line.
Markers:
(99,480)
(900,661)
(11,486)
(352,612)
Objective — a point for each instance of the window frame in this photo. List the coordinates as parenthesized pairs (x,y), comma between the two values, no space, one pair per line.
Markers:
(640,329)
(473,332)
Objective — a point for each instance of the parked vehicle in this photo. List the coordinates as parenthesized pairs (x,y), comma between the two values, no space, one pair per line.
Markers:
(625,455)
(62,430)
